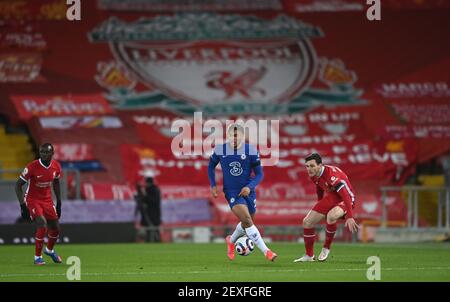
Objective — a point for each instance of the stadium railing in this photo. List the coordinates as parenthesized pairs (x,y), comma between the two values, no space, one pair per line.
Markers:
(413,204)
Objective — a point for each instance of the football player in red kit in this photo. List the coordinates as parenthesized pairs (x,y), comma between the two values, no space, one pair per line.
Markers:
(37,203)
(335,201)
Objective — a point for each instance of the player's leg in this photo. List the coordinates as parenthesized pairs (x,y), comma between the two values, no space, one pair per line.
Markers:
(237,233)
(41,230)
(231,240)
(251,206)
(332,217)
(53,235)
(242,212)
(309,234)
(239,230)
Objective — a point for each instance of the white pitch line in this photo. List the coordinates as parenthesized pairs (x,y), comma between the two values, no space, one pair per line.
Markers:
(221,272)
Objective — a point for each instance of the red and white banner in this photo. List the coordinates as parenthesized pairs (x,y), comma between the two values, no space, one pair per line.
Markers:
(280,60)
(339,135)
(106,191)
(20,68)
(311,6)
(422,112)
(16,37)
(72,122)
(273,212)
(60,105)
(189,6)
(412,90)
(73,152)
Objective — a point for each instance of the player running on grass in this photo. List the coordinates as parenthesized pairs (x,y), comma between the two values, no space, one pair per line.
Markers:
(238,160)
(338,202)
(37,203)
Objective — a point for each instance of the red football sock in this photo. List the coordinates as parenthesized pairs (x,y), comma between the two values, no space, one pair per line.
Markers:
(329,235)
(309,237)
(40,234)
(52,237)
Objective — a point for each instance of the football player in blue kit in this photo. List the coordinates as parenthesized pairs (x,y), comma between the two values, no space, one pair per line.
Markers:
(238,159)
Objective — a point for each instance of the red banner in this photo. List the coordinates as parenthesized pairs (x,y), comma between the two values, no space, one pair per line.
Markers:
(73,152)
(33,10)
(339,135)
(72,123)
(375,106)
(106,191)
(17,68)
(89,104)
(309,6)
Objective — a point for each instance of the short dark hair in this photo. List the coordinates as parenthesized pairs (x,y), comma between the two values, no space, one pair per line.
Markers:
(235,127)
(314,156)
(149,180)
(47,146)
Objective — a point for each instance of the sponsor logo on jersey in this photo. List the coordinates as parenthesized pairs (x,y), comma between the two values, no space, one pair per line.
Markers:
(236,168)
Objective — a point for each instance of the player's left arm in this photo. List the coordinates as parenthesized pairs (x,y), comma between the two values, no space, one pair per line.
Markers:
(255,163)
(259,175)
(344,192)
(57,190)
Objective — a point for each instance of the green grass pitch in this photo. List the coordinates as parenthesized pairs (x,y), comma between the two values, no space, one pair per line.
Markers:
(208,262)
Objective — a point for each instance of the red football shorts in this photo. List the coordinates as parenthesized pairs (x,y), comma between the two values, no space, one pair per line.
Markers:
(42,208)
(330,201)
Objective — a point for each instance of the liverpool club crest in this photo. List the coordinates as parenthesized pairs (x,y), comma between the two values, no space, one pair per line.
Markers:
(213,63)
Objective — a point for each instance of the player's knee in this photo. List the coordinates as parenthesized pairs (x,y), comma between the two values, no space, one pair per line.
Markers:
(307,223)
(331,219)
(246,222)
(54,227)
(41,222)
(333,216)
(53,224)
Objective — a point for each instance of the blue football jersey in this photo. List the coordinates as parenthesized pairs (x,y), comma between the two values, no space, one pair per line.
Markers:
(237,165)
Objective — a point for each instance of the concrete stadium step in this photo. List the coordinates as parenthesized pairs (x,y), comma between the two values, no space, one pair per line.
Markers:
(7,151)
(14,139)
(17,153)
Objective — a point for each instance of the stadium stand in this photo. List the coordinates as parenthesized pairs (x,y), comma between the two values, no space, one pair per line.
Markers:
(106,92)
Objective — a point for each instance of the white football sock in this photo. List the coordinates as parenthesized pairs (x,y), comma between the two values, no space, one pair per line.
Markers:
(238,232)
(255,236)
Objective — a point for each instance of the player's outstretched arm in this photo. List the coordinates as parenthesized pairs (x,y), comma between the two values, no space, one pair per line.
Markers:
(352,225)
(57,190)
(343,191)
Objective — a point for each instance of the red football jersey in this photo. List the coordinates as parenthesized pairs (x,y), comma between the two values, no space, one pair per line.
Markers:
(40,179)
(332,180)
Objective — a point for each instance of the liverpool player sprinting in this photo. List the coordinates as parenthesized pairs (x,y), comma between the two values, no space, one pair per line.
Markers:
(335,201)
(37,203)
(238,160)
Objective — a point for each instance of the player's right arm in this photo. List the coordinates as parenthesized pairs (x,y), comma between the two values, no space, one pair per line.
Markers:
(213,161)
(23,179)
(19,192)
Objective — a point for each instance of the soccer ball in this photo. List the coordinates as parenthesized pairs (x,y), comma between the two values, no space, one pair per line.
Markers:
(244,246)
